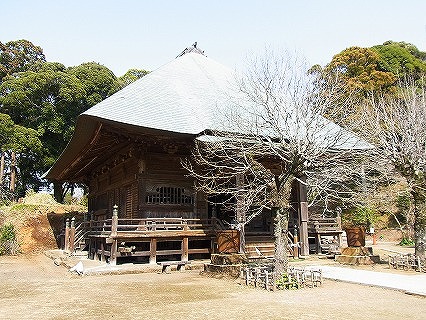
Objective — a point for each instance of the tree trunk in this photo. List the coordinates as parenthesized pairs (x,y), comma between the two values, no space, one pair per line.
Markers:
(242,238)
(1,168)
(281,241)
(241,213)
(419,197)
(12,172)
(58,192)
(411,218)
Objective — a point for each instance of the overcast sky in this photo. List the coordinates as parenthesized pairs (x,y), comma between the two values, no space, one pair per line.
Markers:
(147,34)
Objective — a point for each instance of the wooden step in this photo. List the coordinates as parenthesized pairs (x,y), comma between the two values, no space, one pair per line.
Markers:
(263,250)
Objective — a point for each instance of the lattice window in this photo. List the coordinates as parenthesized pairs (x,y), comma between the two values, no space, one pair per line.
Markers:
(169,195)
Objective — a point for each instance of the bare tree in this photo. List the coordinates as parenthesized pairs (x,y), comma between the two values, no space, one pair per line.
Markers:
(396,125)
(271,134)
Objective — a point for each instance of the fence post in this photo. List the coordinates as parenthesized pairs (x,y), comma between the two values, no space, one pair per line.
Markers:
(67,235)
(114,224)
(72,235)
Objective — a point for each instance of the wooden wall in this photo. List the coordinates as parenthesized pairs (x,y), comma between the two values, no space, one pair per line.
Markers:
(115,182)
(166,191)
(145,184)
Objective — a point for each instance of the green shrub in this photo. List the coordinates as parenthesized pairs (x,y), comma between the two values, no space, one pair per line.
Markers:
(407,242)
(8,240)
(285,283)
(360,216)
(84,200)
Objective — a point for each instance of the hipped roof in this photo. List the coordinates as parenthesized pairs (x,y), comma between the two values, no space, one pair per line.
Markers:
(179,97)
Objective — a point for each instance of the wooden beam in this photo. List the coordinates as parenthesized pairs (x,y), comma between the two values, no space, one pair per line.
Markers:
(303,217)
(153,251)
(72,235)
(67,235)
(135,254)
(171,234)
(113,255)
(185,247)
(102,252)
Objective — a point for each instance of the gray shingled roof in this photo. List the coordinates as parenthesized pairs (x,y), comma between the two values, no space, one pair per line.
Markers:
(181,96)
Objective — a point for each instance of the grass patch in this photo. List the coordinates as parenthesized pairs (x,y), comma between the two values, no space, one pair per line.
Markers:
(8,240)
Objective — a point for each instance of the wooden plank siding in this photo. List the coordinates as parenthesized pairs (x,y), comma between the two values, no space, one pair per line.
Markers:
(132,178)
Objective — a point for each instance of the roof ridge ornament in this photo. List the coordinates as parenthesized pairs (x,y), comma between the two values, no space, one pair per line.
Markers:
(193,48)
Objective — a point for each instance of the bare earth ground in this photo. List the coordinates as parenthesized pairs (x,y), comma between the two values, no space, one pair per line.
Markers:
(32,287)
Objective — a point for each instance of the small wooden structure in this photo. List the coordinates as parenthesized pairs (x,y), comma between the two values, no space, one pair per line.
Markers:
(326,235)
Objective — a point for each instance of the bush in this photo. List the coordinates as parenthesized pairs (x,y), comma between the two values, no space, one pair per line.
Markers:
(8,241)
(285,282)
(5,196)
(407,242)
(360,216)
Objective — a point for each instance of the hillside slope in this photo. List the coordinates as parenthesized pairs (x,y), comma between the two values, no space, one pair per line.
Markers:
(38,220)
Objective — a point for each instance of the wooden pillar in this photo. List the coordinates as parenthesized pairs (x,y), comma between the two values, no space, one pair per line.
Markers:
(185,244)
(114,224)
(213,245)
(113,255)
(303,216)
(153,251)
(95,249)
(295,245)
(317,237)
(67,235)
(91,241)
(102,251)
(72,235)
(114,221)
(185,249)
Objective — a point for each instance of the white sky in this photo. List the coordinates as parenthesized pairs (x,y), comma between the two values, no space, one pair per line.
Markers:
(147,34)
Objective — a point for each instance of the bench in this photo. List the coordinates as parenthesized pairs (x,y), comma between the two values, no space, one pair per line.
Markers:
(166,265)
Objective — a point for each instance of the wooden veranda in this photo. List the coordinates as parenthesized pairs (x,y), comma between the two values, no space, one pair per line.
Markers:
(151,239)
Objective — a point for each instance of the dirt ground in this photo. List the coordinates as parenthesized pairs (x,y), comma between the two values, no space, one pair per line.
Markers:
(32,287)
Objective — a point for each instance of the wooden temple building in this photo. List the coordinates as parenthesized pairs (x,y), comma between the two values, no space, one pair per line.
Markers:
(128,149)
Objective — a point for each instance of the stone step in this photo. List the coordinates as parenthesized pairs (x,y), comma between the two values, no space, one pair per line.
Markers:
(357,260)
(79,253)
(357,256)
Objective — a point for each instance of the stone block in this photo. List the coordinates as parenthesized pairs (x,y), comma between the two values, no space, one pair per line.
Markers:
(228,259)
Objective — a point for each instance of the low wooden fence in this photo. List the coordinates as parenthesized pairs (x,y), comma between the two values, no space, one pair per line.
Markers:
(137,227)
(263,276)
(407,262)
